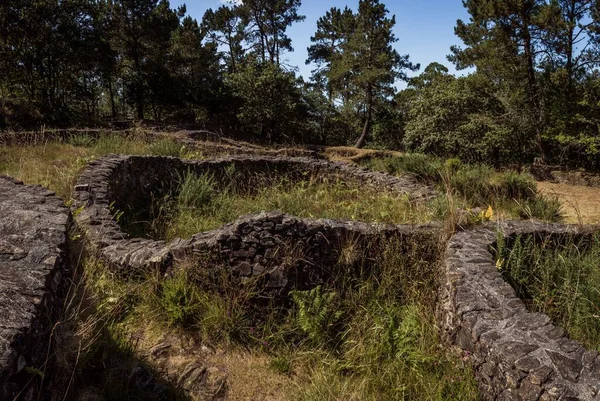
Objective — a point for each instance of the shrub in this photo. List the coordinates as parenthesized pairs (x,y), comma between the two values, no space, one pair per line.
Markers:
(513,185)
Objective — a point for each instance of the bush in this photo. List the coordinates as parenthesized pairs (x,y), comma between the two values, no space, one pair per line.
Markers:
(424,167)
(475,185)
(513,185)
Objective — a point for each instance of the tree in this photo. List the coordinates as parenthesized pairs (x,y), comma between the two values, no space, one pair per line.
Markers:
(356,61)
(195,72)
(49,56)
(457,117)
(374,63)
(333,31)
(571,30)
(272,105)
(269,22)
(227,27)
(141,35)
(504,41)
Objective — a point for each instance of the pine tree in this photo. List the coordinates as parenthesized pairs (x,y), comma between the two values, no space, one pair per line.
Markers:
(374,63)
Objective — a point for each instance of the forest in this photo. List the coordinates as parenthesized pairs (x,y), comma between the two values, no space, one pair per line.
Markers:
(533,93)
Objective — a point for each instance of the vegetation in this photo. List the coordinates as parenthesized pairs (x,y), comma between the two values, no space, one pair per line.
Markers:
(473,185)
(56,164)
(369,332)
(201,203)
(365,335)
(533,93)
(558,277)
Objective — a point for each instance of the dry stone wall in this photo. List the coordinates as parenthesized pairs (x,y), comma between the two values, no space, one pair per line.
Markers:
(33,270)
(517,354)
(255,245)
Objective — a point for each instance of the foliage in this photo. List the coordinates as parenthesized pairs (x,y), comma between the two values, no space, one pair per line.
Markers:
(272,107)
(558,277)
(180,300)
(458,117)
(198,206)
(318,314)
(477,185)
(357,62)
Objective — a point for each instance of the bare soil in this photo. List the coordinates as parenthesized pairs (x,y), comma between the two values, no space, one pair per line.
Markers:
(581,204)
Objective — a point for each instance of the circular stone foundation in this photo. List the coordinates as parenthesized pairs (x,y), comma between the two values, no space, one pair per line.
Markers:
(129,183)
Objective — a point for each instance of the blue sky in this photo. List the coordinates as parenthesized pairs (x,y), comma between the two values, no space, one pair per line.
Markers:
(424,28)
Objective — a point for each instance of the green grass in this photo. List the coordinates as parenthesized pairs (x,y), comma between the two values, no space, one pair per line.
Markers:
(560,278)
(369,333)
(202,203)
(56,165)
(514,194)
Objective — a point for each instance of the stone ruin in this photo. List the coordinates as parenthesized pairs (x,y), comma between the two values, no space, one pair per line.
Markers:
(516,354)
(33,275)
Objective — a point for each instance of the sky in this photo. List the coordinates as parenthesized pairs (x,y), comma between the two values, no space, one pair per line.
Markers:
(424,28)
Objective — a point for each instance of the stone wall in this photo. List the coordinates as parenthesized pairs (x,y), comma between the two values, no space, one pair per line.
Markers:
(517,354)
(33,269)
(253,245)
(559,175)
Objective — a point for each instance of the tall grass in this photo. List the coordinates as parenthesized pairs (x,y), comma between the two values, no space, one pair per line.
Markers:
(202,203)
(476,185)
(559,277)
(56,165)
(367,334)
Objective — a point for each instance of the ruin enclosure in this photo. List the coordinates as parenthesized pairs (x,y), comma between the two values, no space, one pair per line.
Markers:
(516,352)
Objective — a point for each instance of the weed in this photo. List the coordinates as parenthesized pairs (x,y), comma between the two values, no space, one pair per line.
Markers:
(202,203)
(558,277)
(473,186)
(167,147)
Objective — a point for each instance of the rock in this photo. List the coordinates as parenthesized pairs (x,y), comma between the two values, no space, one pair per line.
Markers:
(33,276)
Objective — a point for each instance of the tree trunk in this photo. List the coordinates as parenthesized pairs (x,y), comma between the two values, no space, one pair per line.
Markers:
(534,99)
(366,127)
(111,93)
(139,105)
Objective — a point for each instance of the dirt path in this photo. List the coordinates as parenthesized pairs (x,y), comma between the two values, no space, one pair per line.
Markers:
(581,204)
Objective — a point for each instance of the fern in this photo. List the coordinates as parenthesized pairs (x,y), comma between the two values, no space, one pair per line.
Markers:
(403,332)
(317,314)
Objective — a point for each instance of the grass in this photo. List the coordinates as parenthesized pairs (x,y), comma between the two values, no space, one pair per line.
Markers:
(56,165)
(513,194)
(367,334)
(202,203)
(558,277)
